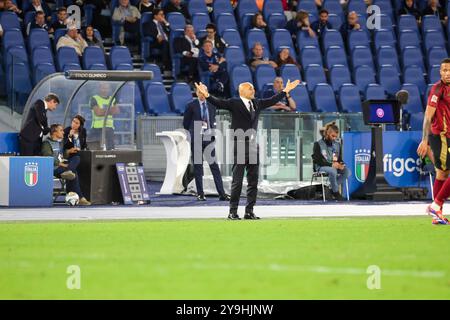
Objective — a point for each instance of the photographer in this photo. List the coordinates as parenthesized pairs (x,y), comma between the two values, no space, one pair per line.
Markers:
(327,158)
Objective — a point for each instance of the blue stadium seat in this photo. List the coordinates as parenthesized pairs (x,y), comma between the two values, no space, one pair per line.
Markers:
(221,6)
(388,76)
(29,17)
(332,38)
(434,74)
(264,74)
(176,20)
(301,97)
(120,56)
(314,74)
(42,70)
(333,6)
(407,22)
(9,20)
(15,54)
(232,38)
(408,38)
(384,37)
(246,23)
(387,55)
(413,56)
(197,6)
(245,6)
(386,21)
(12,38)
(425,97)
(20,84)
(362,56)
(200,20)
(310,55)
(308,6)
(291,72)
(38,38)
(156,99)
(358,6)
(431,22)
(358,38)
(94,59)
(68,59)
(414,104)
(324,98)
(436,55)
(335,21)
(276,21)
(145,41)
(363,75)
(181,95)
(238,75)
(270,7)
(304,40)
(414,74)
(282,38)
(234,56)
(157,77)
(433,38)
(349,98)
(41,55)
(225,21)
(58,34)
(375,92)
(335,55)
(416,121)
(386,8)
(339,74)
(256,35)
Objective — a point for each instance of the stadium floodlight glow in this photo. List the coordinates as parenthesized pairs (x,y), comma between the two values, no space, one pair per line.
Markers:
(109,75)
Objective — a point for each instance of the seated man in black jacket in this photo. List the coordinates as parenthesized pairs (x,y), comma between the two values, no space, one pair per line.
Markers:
(158,29)
(327,157)
(189,47)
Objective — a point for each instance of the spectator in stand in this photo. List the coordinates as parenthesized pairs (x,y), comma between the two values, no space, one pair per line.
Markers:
(62,20)
(258,57)
(300,23)
(158,29)
(435,10)
(37,5)
(212,61)
(284,57)
(350,25)
(178,6)
(146,6)
(2,5)
(289,7)
(128,16)
(101,16)
(321,25)
(189,47)
(259,23)
(409,7)
(211,34)
(38,23)
(72,39)
(91,39)
(287,103)
(10,6)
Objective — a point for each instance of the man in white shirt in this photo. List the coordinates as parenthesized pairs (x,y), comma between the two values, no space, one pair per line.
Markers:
(72,39)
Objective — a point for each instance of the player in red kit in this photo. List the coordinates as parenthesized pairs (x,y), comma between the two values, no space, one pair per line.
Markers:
(436,133)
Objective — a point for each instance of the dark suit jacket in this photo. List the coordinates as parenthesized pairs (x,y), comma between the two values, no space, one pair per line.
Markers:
(218,43)
(181,44)
(193,113)
(45,7)
(68,144)
(35,123)
(150,29)
(183,10)
(240,116)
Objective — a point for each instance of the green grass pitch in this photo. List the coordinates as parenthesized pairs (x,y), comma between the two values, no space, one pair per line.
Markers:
(219,259)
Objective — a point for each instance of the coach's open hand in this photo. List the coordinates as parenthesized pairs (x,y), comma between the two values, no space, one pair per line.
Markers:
(202,89)
(291,85)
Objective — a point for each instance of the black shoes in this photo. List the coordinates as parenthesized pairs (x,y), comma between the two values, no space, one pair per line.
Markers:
(224,197)
(233,216)
(251,216)
(201,197)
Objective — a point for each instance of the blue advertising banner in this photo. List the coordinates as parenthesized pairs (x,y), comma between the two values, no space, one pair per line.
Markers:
(26,181)
(400,160)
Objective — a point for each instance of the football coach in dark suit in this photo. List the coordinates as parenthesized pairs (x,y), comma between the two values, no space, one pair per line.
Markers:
(199,119)
(36,125)
(244,121)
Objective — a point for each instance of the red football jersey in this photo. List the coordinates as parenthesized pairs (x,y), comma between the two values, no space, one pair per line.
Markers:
(439,98)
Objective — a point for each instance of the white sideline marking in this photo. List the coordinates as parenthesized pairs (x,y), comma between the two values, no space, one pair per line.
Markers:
(212,212)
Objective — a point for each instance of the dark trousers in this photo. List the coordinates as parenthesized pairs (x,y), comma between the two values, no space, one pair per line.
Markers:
(163,46)
(30,149)
(238,176)
(71,185)
(191,70)
(198,170)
